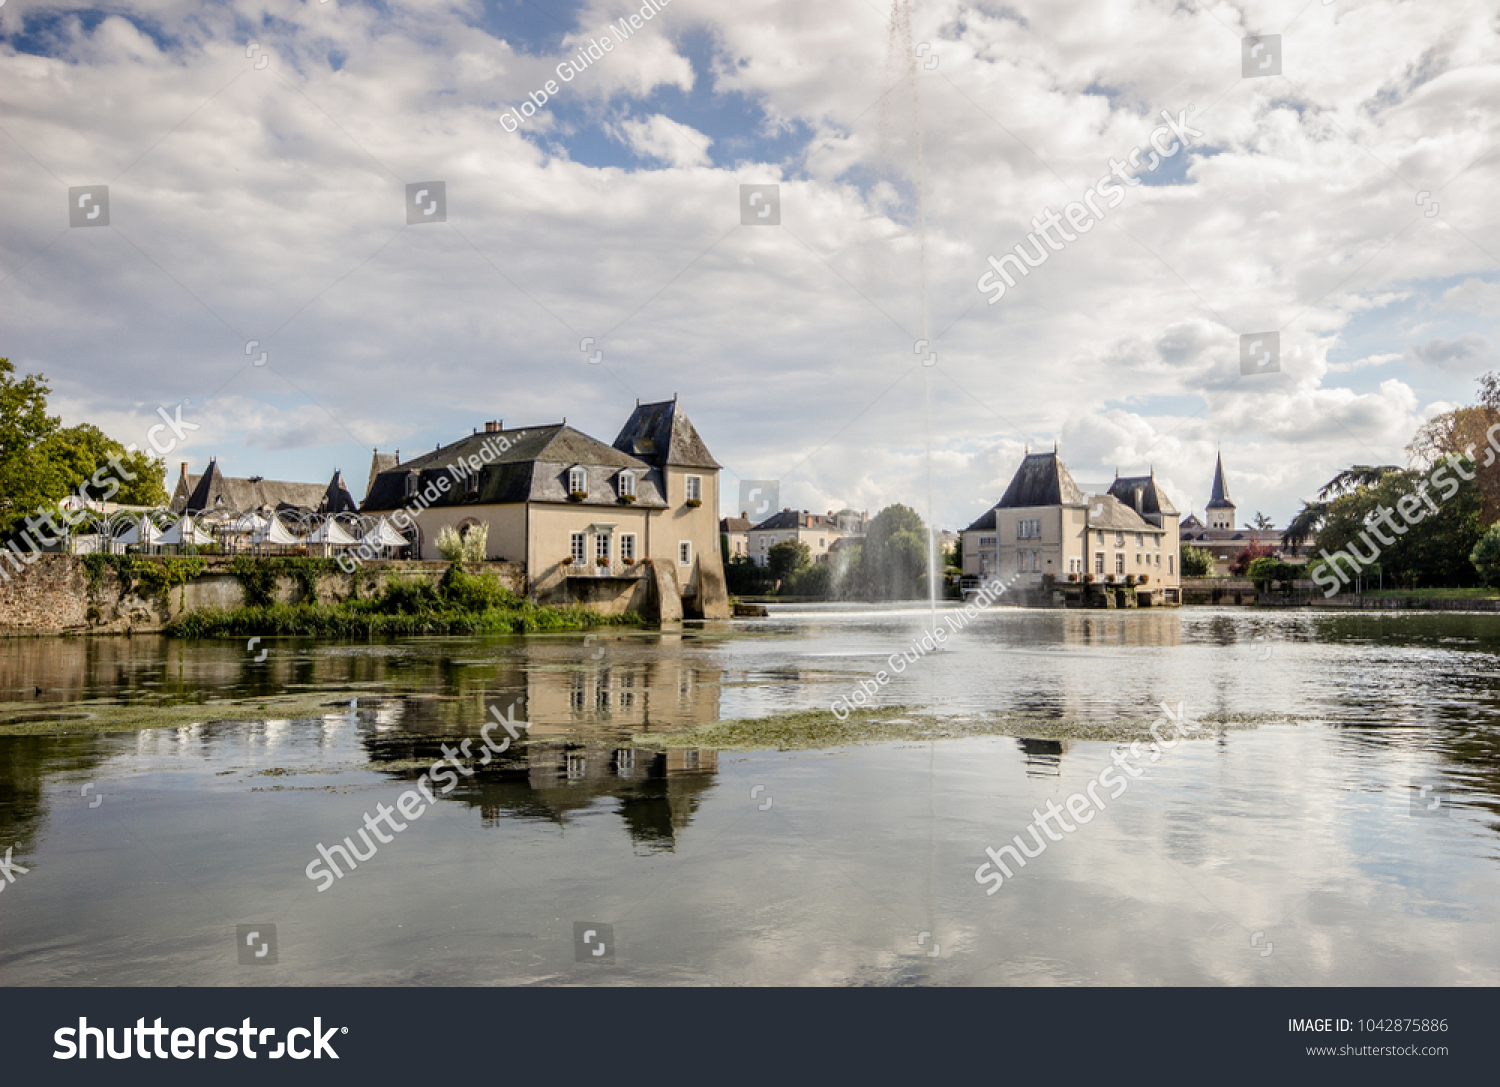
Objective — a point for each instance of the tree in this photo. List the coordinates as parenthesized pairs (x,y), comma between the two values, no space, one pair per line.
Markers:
(1266,571)
(1195,561)
(1433,552)
(893,558)
(1486,556)
(1262,521)
(1247,555)
(815,581)
(786,558)
(41,462)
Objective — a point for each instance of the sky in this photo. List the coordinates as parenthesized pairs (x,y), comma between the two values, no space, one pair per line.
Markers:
(258,156)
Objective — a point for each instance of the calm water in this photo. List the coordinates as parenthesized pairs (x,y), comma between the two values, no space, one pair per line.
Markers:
(847,866)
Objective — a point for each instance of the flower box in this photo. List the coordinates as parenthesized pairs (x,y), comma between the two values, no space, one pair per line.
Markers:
(694,503)
(577,496)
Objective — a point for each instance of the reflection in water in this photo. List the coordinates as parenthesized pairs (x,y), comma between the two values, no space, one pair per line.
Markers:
(1305,832)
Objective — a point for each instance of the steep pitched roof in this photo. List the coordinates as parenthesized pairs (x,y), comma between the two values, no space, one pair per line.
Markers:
(1041,481)
(214,490)
(736,524)
(379,462)
(530,465)
(337,498)
(662,434)
(1142,494)
(1219,500)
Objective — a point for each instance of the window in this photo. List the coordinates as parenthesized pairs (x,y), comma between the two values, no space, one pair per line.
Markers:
(1140,539)
(1020,562)
(1169,564)
(578,481)
(1099,562)
(685,553)
(821,542)
(1137,558)
(695,488)
(1029,528)
(1119,563)
(1119,539)
(601,546)
(1099,539)
(987,543)
(627,484)
(411,484)
(1158,560)
(580,555)
(627,547)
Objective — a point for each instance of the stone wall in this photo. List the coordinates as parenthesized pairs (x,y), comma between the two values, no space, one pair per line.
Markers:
(52,595)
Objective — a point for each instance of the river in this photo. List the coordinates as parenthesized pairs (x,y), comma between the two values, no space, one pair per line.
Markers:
(1335,822)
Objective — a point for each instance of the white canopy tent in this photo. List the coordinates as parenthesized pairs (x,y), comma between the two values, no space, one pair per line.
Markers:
(275,533)
(382,536)
(184,531)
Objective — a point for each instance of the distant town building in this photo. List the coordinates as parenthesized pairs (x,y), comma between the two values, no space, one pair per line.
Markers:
(822,533)
(1044,524)
(736,534)
(1220,538)
(212,490)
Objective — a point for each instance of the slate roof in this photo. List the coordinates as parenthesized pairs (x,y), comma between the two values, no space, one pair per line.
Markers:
(1143,494)
(1219,500)
(379,462)
(736,524)
(1109,513)
(534,468)
(337,498)
(662,435)
(1042,480)
(797,519)
(213,490)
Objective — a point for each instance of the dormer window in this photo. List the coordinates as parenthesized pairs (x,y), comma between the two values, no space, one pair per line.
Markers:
(578,481)
(627,484)
(471,481)
(411,484)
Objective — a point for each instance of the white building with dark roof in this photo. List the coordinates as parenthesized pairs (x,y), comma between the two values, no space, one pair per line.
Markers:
(1045,525)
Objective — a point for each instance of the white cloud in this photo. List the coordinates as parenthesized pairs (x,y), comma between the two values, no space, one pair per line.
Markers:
(1474,296)
(662,138)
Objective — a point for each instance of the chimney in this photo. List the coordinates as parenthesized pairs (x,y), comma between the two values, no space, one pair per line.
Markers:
(492,427)
(184,473)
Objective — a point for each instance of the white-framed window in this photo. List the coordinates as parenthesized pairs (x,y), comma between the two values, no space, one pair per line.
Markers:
(578,480)
(1119,539)
(684,553)
(695,488)
(1098,562)
(1020,562)
(1140,539)
(411,484)
(822,542)
(627,484)
(1158,560)
(627,547)
(1119,562)
(471,481)
(578,548)
(1099,537)
(1029,528)
(601,546)
(987,543)
(1137,558)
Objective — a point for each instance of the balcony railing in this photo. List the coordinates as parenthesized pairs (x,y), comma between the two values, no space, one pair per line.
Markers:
(617,569)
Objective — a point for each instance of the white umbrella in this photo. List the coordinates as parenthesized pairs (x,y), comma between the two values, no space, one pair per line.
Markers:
(184,531)
(142,532)
(275,533)
(333,533)
(383,535)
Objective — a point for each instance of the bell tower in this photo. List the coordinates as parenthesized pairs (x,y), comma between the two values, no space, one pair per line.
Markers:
(1220,510)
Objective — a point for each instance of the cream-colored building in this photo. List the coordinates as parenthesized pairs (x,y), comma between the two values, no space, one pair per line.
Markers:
(585,518)
(1044,524)
(818,531)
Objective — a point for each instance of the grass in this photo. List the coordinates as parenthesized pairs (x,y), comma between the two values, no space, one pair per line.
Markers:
(1434,594)
(806,730)
(461,603)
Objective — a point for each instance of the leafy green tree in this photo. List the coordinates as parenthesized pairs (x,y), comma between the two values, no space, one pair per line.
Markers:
(1434,552)
(893,558)
(41,462)
(786,558)
(814,581)
(1195,561)
(1486,556)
